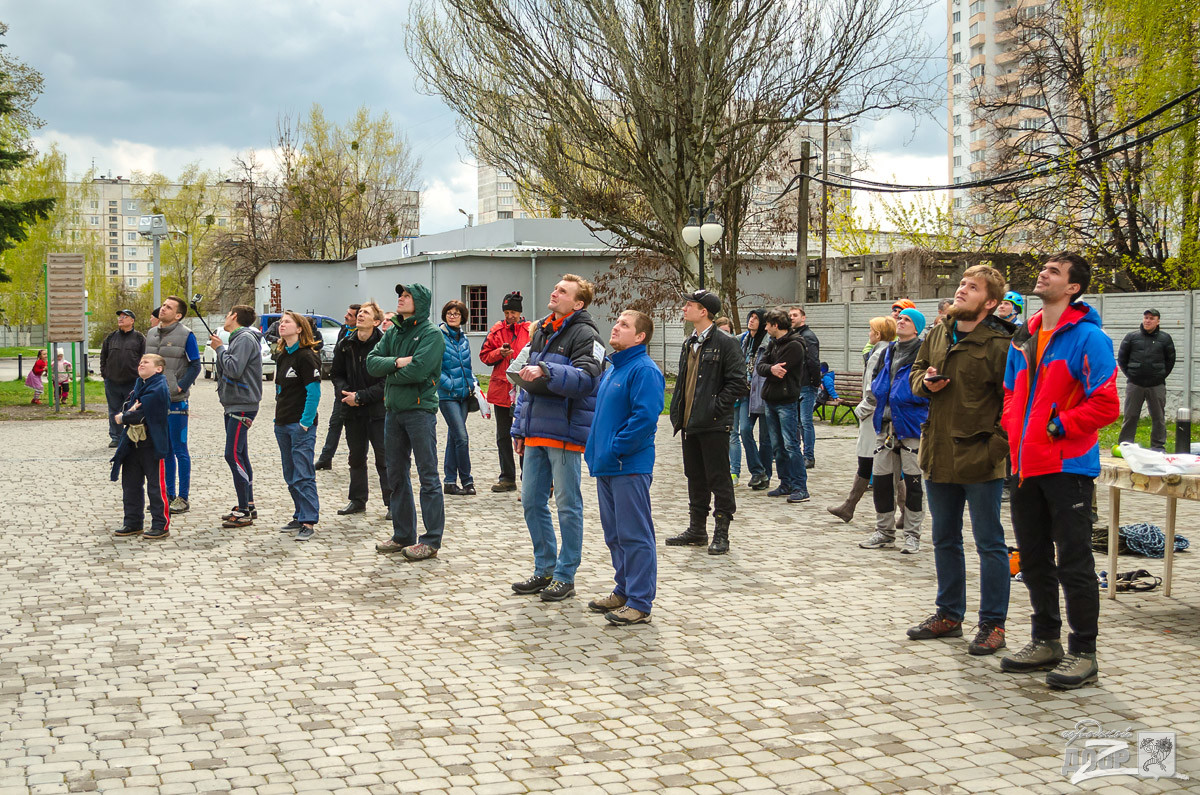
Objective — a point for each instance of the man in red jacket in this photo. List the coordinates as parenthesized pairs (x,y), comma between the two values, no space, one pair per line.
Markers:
(503,343)
(1059,391)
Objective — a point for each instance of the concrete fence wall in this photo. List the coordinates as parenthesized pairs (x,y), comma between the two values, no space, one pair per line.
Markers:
(22,336)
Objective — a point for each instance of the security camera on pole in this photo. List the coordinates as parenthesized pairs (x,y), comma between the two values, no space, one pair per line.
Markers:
(155,228)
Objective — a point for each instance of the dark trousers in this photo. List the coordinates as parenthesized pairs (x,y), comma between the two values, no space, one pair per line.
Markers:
(363,430)
(116,393)
(334,435)
(237,455)
(1052,513)
(143,464)
(504,444)
(706,467)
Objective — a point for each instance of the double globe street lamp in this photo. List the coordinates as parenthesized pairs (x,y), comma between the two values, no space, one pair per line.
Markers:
(696,234)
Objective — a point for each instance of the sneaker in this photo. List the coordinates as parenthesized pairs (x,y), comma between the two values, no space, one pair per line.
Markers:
(988,640)
(798,496)
(1075,670)
(1038,655)
(606,604)
(878,540)
(305,532)
(323,464)
(419,552)
(389,547)
(779,492)
(627,616)
(764,482)
(557,591)
(504,485)
(290,526)
(469,489)
(912,545)
(156,535)
(810,463)
(387,517)
(936,626)
(533,585)
(179,505)
(114,443)
(251,511)
(126,532)
(237,518)
(735,479)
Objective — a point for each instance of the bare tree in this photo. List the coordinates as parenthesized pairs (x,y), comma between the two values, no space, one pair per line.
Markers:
(626,113)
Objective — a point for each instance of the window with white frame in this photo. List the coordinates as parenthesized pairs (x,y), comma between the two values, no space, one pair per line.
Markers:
(476,298)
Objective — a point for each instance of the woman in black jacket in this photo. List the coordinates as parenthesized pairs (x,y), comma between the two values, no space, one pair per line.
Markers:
(363,413)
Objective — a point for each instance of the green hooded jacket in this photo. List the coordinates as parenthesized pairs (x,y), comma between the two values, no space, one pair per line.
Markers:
(411,388)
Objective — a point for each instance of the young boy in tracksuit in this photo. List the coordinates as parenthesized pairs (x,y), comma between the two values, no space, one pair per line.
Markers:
(620,455)
(143,417)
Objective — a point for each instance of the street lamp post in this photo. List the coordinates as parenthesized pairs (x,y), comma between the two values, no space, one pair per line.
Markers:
(697,234)
(155,228)
(188,235)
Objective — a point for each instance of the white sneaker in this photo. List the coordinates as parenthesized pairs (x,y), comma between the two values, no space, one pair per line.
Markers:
(912,545)
(734,478)
(877,540)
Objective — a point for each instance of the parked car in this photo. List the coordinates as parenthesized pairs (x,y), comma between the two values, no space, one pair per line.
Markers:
(208,357)
(326,329)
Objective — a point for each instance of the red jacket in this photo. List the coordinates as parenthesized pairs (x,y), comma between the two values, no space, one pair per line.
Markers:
(516,335)
(1074,386)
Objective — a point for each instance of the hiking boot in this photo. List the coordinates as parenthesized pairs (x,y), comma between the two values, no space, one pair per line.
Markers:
(1075,670)
(878,540)
(534,584)
(323,463)
(779,492)
(237,518)
(845,511)
(126,532)
(156,535)
(418,552)
(290,526)
(626,616)
(720,540)
(798,496)
(557,591)
(389,547)
(764,482)
(696,534)
(1038,655)
(179,505)
(606,604)
(988,640)
(504,485)
(936,626)
(305,532)
(912,545)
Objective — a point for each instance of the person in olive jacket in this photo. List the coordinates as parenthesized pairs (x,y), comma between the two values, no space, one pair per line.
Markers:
(711,379)
(1146,358)
(361,396)
(409,359)
(960,369)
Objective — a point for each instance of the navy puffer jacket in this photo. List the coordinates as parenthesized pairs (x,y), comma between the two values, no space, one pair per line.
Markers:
(457,381)
(560,404)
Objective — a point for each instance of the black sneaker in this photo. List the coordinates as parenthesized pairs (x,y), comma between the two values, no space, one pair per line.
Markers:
(237,513)
(323,464)
(763,483)
(114,443)
(558,591)
(125,532)
(531,586)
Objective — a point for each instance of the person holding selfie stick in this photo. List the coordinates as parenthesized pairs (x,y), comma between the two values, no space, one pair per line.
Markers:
(960,369)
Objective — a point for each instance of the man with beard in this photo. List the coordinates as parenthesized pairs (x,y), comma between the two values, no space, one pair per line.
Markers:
(960,368)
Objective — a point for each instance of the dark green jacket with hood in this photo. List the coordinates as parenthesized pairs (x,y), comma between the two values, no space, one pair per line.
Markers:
(411,388)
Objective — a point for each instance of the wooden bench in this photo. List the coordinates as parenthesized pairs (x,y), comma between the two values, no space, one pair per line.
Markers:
(849,389)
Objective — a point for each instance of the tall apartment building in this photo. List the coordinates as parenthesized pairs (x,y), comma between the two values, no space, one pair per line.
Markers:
(107,211)
(499,198)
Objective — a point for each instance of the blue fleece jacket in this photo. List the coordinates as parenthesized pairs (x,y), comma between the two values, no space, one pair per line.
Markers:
(630,400)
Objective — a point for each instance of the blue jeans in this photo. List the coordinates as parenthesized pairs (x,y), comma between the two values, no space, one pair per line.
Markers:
(412,435)
(296,447)
(946,510)
(757,458)
(458,448)
(808,401)
(740,409)
(546,467)
(629,533)
(179,458)
(789,461)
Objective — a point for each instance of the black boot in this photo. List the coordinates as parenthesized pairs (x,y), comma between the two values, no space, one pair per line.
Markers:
(695,536)
(720,542)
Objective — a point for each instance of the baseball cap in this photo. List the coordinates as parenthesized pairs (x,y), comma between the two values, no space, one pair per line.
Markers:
(400,288)
(126,312)
(708,300)
(1154,312)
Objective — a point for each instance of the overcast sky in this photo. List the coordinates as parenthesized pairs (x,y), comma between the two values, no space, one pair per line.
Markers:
(152,87)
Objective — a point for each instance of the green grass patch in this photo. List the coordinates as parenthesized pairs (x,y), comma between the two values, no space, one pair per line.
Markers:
(1109,435)
(15,393)
(12,353)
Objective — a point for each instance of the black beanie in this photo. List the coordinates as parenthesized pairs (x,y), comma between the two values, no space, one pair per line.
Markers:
(512,302)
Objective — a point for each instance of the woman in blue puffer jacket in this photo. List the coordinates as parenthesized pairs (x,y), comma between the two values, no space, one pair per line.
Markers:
(455,385)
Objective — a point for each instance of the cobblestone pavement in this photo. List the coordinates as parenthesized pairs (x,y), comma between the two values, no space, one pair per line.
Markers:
(241,660)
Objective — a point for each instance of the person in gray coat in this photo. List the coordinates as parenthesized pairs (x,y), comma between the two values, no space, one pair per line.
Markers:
(239,388)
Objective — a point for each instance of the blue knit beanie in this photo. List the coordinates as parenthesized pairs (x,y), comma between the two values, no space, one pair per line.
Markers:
(918,320)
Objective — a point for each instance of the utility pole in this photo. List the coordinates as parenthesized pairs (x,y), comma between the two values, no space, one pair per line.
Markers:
(802,226)
(824,271)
